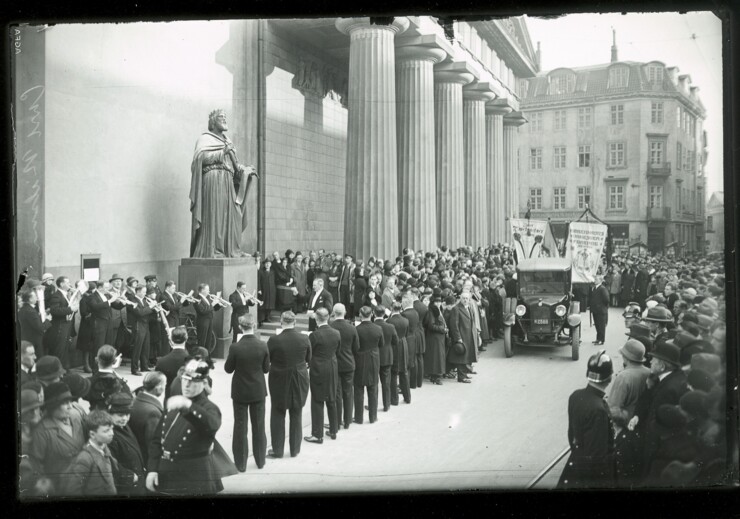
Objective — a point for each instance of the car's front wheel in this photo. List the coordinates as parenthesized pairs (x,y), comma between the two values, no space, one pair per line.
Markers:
(575,334)
(508,346)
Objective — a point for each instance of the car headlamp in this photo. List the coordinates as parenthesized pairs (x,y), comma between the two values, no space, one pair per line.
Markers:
(560,310)
(521,310)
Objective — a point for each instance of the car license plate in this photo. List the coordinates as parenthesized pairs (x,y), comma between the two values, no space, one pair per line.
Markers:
(541,321)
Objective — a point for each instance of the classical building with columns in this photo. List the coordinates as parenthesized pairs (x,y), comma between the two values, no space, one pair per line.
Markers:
(370,135)
(624,138)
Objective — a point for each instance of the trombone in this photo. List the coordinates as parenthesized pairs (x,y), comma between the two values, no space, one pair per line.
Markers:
(218,300)
(186,297)
(253,298)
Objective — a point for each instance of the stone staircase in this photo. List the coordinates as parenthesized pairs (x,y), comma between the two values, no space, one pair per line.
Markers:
(267,330)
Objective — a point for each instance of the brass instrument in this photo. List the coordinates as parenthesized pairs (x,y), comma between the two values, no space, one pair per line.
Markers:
(253,298)
(155,306)
(40,295)
(186,297)
(218,299)
(121,296)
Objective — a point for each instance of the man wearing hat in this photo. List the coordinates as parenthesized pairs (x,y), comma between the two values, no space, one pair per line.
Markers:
(179,458)
(629,384)
(49,370)
(31,479)
(47,281)
(125,447)
(116,331)
(628,282)
(671,385)
(147,410)
(590,430)
(599,301)
(399,370)
(156,329)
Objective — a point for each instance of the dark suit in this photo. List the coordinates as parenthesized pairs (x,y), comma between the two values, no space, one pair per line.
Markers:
(641,286)
(600,310)
(169,365)
(145,416)
(288,381)
(172,304)
(204,322)
(324,300)
(324,377)
(138,318)
(117,328)
(421,348)
(346,369)
(412,338)
(57,337)
(628,281)
(248,360)
(367,369)
(238,308)
(400,368)
(126,450)
(345,281)
(31,328)
(591,438)
(461,330)
(390,344)
(102,318)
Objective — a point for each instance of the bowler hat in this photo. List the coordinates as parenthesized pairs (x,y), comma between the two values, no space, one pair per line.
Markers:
(55,394)
(121,403)
(659,314)
(681,339)
(694,403)
(707,362)
(668,352)
(78,385)
(633,350)
(48,368)
(114,277)
(459,347)
(30,400)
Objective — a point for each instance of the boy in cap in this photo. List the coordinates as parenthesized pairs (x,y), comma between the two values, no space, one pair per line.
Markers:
(590,430)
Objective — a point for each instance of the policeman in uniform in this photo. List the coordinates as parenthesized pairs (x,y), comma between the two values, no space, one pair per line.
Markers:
(590,430)
(180,461)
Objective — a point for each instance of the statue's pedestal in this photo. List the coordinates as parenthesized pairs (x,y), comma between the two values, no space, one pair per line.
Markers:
(221,274)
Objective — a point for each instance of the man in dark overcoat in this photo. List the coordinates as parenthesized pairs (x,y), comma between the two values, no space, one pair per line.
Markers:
(412,336)
(180,461)
(290,353)
(324,377)
(423,312)
(590,431)
(600,308)
(171,363)
(248,360)
(204,309)
(147,411)
(400,368)
(461,333)
(390,345)
(628,284)
(125,447)
(57,336)
(367,366)
(642,280)
(345,365)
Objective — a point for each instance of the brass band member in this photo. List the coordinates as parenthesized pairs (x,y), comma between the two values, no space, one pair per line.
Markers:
(204,316)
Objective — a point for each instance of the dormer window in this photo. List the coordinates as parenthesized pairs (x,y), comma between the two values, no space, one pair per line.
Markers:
(655,74)
(618,77)
(562,84)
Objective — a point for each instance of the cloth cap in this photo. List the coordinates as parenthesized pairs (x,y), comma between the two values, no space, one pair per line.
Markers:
(599,367)
(48,368)
(121,402)
(150,277)
(633,350)
(78,385)
(30,400)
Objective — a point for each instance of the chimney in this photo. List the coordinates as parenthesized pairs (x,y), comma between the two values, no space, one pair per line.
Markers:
(694,93)
(538,57)
(614,46)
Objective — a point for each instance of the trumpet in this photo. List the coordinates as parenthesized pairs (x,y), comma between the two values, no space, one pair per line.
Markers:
(253,298)
(186,297)
(156,306)
(218,300)
(121,297)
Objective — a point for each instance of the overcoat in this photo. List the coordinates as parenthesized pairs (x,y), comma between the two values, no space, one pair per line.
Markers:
(434,357)
(31,328)
(390,343)
(56,449)
(145,416)
(324,377)
(412,334)
(126,450)
(249,360)
(288,380)
(350,345)
(461,330)
(367,358)
(401,350)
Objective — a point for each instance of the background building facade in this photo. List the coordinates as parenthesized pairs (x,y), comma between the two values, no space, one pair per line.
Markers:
(624,138)
(715,225)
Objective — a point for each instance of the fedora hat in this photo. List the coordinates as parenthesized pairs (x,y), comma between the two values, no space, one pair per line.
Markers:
(56,394)
(705,308)
(48,368)
(694,403)
(114,277)
(78,385)
(707,362)
(633,350)
(681,339)
(639,331)
(668,352)
(694,347)
(30,400)
(659,314)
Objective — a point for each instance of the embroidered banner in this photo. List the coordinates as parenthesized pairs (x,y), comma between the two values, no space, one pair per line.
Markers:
(584,247)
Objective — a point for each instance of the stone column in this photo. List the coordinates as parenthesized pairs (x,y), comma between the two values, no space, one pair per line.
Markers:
(474,141)
(511,123)
(371,203)
(448,133)
(495,178)
(417,205)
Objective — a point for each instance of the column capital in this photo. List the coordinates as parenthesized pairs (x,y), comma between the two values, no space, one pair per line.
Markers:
(514,119)
(494,109)
(424,40)
(350,25)
(415,52)
(478,92)
(451,76)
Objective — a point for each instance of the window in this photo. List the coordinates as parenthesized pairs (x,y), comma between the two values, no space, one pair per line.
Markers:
(685,159)
(559,157)
(679,155)
(678,198)
(559,123)
(710,224)
(616,155)
(679,112)
(656,197)
(584,117)
(523,83)
(584,156)
(535,196)
(617,112)
(535,121)
(558,199)
(655,74)
(535,158)
(584,196)
(562,84)
(656,112)
(618,77)
(616,197)
(656,152)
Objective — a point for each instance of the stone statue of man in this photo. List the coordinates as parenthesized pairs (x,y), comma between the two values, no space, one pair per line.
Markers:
(218,191)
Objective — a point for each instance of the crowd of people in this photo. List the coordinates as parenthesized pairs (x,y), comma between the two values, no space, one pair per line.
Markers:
(378,328)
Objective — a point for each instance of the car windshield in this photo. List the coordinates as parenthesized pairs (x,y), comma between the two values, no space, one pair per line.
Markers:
(542,282)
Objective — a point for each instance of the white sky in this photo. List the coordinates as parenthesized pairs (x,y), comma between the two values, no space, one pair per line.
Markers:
(585,39)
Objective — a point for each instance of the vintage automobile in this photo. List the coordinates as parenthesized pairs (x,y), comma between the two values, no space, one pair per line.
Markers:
(544,313)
